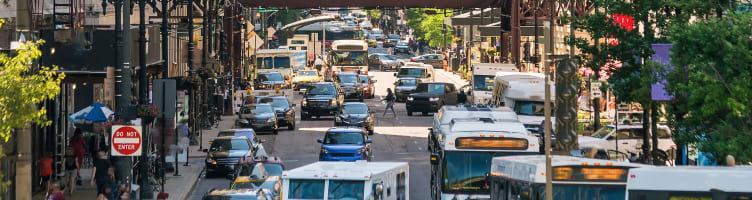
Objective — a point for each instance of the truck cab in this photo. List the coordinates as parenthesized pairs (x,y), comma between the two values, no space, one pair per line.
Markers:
(359,180)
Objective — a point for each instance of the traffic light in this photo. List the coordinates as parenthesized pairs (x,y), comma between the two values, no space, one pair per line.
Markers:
(567,83)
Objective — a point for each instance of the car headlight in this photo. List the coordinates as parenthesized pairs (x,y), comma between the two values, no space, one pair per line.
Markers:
(270,120)
(243,121)
(305,102)
(433,99)
(210,160)
(324,151)
(332,102)
(360,151)
(409,98)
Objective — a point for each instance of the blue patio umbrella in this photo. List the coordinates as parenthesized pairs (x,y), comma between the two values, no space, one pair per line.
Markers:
(96,112)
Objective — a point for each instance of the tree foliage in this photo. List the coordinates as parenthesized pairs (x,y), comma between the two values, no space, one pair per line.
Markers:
(714,89)
(429,27)
(375,14)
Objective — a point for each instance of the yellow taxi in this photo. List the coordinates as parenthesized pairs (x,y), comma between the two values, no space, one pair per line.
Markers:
(272,183)
(304,77)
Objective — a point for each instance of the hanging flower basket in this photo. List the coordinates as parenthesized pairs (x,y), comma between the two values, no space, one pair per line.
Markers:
(205,72)
(189,82)
(147,112)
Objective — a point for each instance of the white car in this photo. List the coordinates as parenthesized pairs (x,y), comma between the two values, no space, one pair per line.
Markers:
(629,138)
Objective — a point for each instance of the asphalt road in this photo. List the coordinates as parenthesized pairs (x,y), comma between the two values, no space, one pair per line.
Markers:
(399,138)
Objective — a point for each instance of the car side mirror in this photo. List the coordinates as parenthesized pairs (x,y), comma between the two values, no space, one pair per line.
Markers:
(206,150)
(434,158)
(429,76)
(395,74)
(320,140)
(430,129)
(369,141)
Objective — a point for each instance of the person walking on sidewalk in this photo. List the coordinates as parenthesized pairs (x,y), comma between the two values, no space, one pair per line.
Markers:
(71,165)
(46,170)
(100,173)
(389,102)
(79,147)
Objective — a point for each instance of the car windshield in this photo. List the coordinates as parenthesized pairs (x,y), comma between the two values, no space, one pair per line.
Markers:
(306,73)
(271,77)
(276,102)
(273,169)
(603,132)
(343,138)
(386,57)
(257,109)
(430,88)
(229,144)
(407,82)
(530,108)
(355,109)
(364,78)
(322,90)
(483,82)
(346,190)
(349,58)
(248,134)
(412,72)
(401,44)
(577,192)
(467,170)
(347,78)
(306,189)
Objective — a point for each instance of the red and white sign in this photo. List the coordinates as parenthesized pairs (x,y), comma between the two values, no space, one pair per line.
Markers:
(126,140)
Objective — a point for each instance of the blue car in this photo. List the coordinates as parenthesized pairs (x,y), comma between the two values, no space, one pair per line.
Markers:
(345,144)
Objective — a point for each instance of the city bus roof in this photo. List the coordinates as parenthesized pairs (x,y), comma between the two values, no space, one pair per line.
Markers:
(349,45)
(273,52)
(486,134)
(450,112)
(691,179)
(358,170)
(533,168)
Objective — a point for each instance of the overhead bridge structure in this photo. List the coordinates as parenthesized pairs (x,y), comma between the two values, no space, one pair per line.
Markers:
(374,3)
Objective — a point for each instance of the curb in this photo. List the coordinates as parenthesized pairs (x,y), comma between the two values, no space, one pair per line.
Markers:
(193,185)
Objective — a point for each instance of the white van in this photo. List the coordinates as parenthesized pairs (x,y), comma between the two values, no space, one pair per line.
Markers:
(423,72)
(359,180)
(524,93)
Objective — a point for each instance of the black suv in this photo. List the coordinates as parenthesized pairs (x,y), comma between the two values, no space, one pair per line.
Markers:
(225,152)
(284,111)
(321,99)
(351,85)
(429,97)
(356,114)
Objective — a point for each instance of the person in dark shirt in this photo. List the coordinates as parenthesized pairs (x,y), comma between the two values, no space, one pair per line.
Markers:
(71,165)
(99,173)
(461,97)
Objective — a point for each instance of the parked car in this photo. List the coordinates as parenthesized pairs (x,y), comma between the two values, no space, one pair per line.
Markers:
(224,153)
(402,47)
(429,97)
(257,116)
(345,144)
(403,87)
(629,138)
(356,114)
(369,88)
(383,62)
(270,80)
(283,109)
(321,99)
(435,60)
(350,83)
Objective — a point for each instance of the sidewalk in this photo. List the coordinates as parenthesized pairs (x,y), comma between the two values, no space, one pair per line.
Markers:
(179,187)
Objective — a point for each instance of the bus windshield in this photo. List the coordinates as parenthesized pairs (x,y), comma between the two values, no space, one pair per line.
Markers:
(349,58)
(483,82)
(264,63)
(281,62)
(411,72)
(467,170)
(578,192)
(530,108)
(346,190)
(273,62)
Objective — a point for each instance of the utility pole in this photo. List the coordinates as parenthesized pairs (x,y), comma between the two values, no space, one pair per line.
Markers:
(123,165)
(444,31)
(143,88)
(547,102)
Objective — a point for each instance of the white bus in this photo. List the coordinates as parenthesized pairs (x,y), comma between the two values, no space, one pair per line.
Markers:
(462,156)
(359,180)
(349,56)
(690,183)
(573,178)
(524,93)
(274,60)
(483,80)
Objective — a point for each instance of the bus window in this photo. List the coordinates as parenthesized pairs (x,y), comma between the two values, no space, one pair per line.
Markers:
(582,192)
(350,58)
(281,62)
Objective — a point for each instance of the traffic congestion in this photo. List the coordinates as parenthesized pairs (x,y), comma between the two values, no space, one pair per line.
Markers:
(378,116)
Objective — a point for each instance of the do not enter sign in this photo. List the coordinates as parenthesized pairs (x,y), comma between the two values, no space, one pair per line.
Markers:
(126,140)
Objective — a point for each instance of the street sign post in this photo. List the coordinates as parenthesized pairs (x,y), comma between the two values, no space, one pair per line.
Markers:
(126,140)
(595,89)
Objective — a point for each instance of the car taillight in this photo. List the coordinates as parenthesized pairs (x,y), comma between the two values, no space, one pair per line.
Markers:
(412,60)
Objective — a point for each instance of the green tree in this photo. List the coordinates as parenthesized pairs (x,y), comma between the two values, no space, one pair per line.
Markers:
(375,14)
(714,89)
(23,88)
(288,16)
(429,27)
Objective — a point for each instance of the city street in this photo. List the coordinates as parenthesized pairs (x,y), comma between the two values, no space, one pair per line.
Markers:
(401,139)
